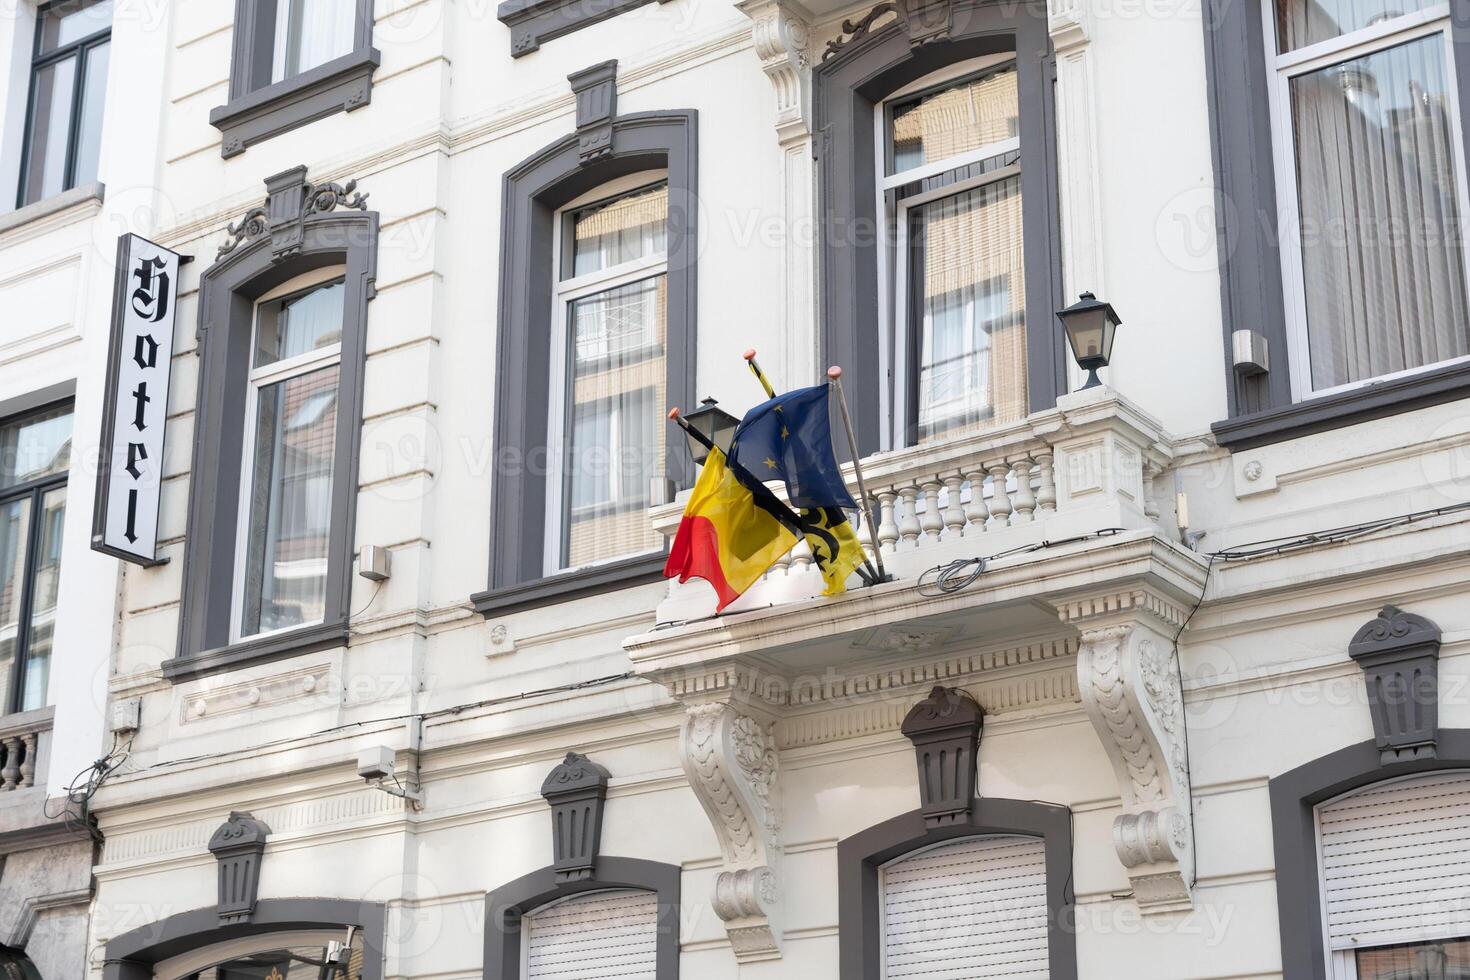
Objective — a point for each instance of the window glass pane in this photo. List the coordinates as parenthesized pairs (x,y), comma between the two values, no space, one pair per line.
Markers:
(1382,254)
(1425,961)
(615,426)
(50,122)
(1303,22)
(45,577)
(311,33)
(632,227)
(299,324)
(89,129)
(290,504)
(67,22)
(35,445)
(292,963)
(15,529)
(971,330)
(966,116)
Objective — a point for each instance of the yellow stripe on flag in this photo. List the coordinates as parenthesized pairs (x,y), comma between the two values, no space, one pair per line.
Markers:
(835,546)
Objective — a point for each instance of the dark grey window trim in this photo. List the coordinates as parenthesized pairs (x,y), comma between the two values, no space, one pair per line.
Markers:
(259,109)
(227,293)
(1247,237)
(132,955)
(846,86)
(1294,798)
(506,905)
(860,856)
(534,22)
(532,192)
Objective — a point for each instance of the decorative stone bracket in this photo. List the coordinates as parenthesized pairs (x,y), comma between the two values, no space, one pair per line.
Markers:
(782,40)
(577,792)
(238,845)
(1399,654)
(945,730)
(730,758)
(596,91)
(1128,679)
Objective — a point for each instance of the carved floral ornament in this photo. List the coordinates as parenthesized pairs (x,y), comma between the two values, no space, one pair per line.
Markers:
(290,201)
(924,21)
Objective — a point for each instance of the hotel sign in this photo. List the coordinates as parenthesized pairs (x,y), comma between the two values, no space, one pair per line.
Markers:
(130,474)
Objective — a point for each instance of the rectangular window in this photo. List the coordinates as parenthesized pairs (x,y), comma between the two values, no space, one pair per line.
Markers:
(609,380)
(1371,179)
(311,33)
(67,93)
(291,427)
(35,455)
(952,192)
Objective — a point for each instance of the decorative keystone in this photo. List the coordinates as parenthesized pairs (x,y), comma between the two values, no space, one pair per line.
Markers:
(238,845)
(577,792)
(596,91)
(945,730)
(1399,654)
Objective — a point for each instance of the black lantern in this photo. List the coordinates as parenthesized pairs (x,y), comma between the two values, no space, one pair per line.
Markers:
(1090,324)
(715,424)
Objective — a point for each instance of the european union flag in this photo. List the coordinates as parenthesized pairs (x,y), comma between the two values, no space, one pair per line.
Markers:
(790,438)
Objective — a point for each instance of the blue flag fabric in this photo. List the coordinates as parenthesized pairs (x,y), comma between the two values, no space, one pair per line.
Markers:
(789,438)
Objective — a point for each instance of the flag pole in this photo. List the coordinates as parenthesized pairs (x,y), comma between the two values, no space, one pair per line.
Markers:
(834,377)
(759,374)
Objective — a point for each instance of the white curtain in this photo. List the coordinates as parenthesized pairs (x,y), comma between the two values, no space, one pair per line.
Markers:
(1382,254)
(312,33)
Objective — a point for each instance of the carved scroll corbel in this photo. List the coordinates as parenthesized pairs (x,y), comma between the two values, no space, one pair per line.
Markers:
(1129,684)
(730,758)
(782,41)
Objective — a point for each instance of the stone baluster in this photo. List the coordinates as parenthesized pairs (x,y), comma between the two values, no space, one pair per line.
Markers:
(1000,502)
(1025,500)
(908,522)
(28,760)
(931,522)
(868,535)
(10,773)
(781,566)
(1150,502)
(954,514)
(887,526)
(801,557)
(975,512)
(1046,490)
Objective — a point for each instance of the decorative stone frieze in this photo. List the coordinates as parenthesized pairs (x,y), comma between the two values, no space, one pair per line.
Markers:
(731,761)
(782,41)
(577,792)
(1399,654)
(945,730)
(1128,679)
(238,846)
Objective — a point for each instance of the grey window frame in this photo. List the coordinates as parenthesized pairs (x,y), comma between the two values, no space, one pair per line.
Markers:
(847,87)
(534,22)
(507,905)
(859,858)
(35,491)
(1247,240)
(227,293)
(532,194)
(259,109)
(133,955)
(81,49)
(1295,796)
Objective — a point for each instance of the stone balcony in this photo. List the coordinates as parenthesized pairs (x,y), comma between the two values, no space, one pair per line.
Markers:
(1084,587)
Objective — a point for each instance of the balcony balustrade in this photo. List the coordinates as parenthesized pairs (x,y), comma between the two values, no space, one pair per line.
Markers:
(22,744)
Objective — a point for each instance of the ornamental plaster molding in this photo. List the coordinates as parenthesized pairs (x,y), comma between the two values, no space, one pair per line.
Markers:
(781,37)
(1128,679)
(731,760)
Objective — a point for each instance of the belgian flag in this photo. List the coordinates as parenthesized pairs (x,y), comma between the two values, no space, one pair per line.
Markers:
(732,531)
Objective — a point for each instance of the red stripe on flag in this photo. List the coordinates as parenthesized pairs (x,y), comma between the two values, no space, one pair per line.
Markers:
(696,554)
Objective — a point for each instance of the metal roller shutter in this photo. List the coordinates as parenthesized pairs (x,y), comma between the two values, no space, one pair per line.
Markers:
(594,936)
(974,908)
(1396,861)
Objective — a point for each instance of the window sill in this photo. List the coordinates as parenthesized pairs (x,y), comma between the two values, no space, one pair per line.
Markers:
(533,22)
(570,586)
(79,202)
(341,85)
(247,653)
(1345,408)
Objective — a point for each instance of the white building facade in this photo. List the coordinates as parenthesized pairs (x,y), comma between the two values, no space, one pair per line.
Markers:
(1166,678)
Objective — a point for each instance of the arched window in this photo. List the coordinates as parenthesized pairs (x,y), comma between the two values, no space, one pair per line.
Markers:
(605,934)
(1395,878)
(975,905)
(307,955)
(939,240)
